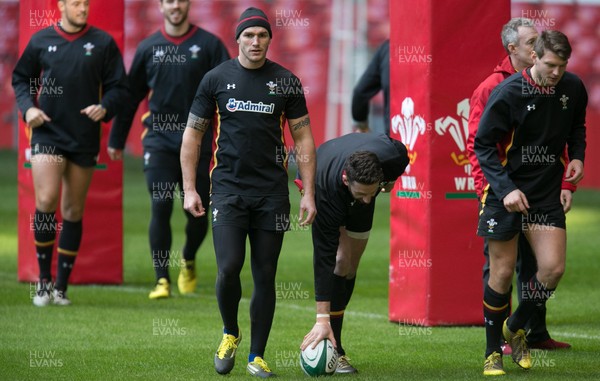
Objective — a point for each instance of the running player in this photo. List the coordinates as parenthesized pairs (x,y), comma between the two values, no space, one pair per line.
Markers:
(543,110)
(351,171)
(69,79)
(252,97)
(169,64)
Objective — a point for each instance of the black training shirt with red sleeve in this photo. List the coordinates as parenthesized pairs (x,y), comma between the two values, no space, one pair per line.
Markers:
(252,106)
(62,73)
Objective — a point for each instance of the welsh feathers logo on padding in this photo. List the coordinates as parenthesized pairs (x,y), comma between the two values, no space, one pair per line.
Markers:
(457,126)
(409,126)
(459,131)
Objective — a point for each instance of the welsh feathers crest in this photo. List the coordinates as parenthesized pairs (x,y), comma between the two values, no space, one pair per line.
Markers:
(409,126)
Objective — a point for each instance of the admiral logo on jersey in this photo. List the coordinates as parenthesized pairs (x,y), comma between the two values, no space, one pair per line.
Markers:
(234,105)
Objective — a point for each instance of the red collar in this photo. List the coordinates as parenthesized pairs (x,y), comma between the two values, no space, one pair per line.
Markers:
(180,39)
(71,36)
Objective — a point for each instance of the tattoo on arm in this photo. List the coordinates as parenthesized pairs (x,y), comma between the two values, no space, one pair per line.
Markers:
(301,124)
(197,123)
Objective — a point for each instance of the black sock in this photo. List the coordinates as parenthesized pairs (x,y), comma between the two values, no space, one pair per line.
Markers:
(533,296)
(160,262)
(68,246)
(349,289)
(338,306)
(44,233)
(495,309)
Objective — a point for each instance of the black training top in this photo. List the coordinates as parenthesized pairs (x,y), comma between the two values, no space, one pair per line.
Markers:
(62,73)
(252,106)
(170,68)
(334,200)
(540,122)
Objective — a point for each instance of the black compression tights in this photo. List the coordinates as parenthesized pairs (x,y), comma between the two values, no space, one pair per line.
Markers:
(265,246)
(161,236)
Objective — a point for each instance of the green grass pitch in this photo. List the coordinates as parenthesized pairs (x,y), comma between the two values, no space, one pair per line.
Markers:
(116,333)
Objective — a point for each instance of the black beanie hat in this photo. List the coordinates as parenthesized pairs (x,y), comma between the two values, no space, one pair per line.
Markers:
(252,17)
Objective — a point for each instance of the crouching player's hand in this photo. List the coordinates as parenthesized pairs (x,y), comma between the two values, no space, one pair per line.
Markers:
(321,330)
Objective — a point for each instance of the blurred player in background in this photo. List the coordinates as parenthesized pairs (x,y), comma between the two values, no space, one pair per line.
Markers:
(375,78)
(69,79)
(169,65)
(252,97)
(351,171)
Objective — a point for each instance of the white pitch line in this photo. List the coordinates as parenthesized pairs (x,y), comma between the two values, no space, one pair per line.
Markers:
(366,315)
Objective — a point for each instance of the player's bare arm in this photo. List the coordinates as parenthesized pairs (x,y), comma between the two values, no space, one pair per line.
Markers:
(306,158)
(300,123)
(189,156)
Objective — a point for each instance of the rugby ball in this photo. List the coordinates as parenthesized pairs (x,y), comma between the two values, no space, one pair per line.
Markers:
(320,361)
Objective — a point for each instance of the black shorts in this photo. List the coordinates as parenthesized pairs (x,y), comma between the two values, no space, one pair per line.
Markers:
(360,219)
(271,213)
(497,223)
(164,179)
(84,160)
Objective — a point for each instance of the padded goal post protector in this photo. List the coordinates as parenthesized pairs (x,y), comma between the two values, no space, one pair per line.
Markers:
(100,258)
(439,52)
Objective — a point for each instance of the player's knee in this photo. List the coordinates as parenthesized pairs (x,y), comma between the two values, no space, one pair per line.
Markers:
(505,274)
(501,278)
(552,275)
(342,266)
(46,203)
(225,277)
